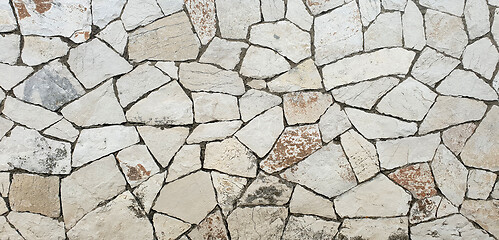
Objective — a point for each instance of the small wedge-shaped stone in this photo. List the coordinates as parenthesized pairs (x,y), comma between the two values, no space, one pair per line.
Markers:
(485,213)
(302,77)
(254,102)
(361,155)
(213,131)
(93,62)
(480,184)
(231,157)
(380,228)
(263,63)
(272,10)
(206,77)
(8,232)
(307,202)
(394,4)
(476,15)
(385,31)
(374,126)
(481,57)
(139,13)
(432,66)
(5,126)
(163,143)
(364,94)
(29,115)
(235,17)
(190,198)
(169,68)
(115,35)
(203,18)
(305,107)
(137,164)
(122,218)
(257,223)
(297,13)
(455,137)
(303,140)
(448,111)
(333,123)
(452,227)
(326,171)
(37,50)
(424,209)
(12,75)
(170,39)
(454,7)
(229,189)
(97,107)
(283,37)
(409,100)
(266,190)
(168,105)
(369,10)
(104,11)
(223,52)
(4,184)
(392,61)
(309,227)
(399,152)
(416,178)
(95,143)
(167,227)
(445,32)
(412,27)
(147,191)
(450,175)
(11,45)
(260,134)
(481,150)
(170,6)
(34,226)
(214,106)
(186,161)
(136,83)
(27,149)
(336,35)
(212,227)
(318,6)
(453,85)
(7,19)
(90,185)
(51,87)
(365,200)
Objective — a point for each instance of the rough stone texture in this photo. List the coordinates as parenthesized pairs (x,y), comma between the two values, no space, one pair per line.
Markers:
(302,77)
(230,156)
(416,178)
(30,115)
(485,213)
(15,75)
(381,228)
(306,202)
(213,131)
(448,6)
(305,107)
(432,66)
(309,227)
(333,123)
(272,9)
(169,228)
(399,152)
(476,14)
(424,209)
(369,10)
(37,50)
(254,102)
(450,175)
(481,57)
(186,161)
(257,223)
(7,19)
(480,183)
(147,191)
(445,32)
(203,18)
(7,231)
(446,208)
(214,106)
(223,53)
(452,227)
(34,226)
(170,6)
(455,137)
(139,13)
(205,77)
(212,227)
(229,189)
(453,85)
(263,63)
(103,12)
(169,68)
(297,13)
(163,143)
(235,17)
(266,190)
(4,184)
(385,31)
(137,164)
(364,94)
(361,155)
(412,27)
(115,35)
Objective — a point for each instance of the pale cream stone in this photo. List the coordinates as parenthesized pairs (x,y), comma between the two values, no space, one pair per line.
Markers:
(147,191)
(364,94)
(369,10)
(450,175)
(309,227)
(139,13)
(4,184)
(235,17)
(212,227)
(213,131)
(170,6)
(413,27)
(34,226)
(214,106)
(424,209)
(254,102)
(452,227)
(29,115)
(229,189)
(186,161)
(333,123)
(168,228)
(103,12)
(8,232)
(297,13)
(206,77)
(398,5)
(137,164)
(10,44)
(302,77)
(5,126)
(63,130)
(481,57)
(231,157)
(272,10)
(115,35)
(37,50)
(223,52)
(454,7)
(257,223)
(485,213)
(7,20)
(263,63)
(318,6)
(163,143)
(266,190)
(305,107)
(257,84)
(306,202)
(375,126)
(169,68)
(13,75)
(385,31)
(361,155)
(476,88)
(432,66)
(480,184)
(476,15)
(445,32)
(380,228)
(446,208)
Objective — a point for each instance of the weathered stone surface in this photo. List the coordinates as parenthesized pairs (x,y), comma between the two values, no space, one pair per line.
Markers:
(115,35)
(374,126)
(137,164)
(480,184)
(481,149)
(169,39)
(272,10)
(485,213)
(399,152)
(223,53)
(381,228)
(385,31)
(212,227)
(364,94)
(29,115)
(36,194)
(481,57)
(448,6)
(412,27)
(97,107)
(367,66)
(445,32)
(8,232)
(27,149)
(163,143)
(169,68)
(7,19)
(147,191)
(336,35)
(453,85)
(361,155)
(95,143)
(257,84)
(254,102)
(101,223)
(205,77)
(452,227)
(416,178)
(213,131)
(369,10)
(187,160)
(263,63)
(260,134)
(214,106)
(203,18)
(85,188)
(432,66)
(229,189)
(455,137)
(476,15)
(309,227)
(305,107)
(283,37)
(302,77)
(365,200)
(294,144)
(495,192)
(297,13)
(168,228)
(93,62)
(13,75)
(44,18)
(266,190)
(168,105)
(318,6)
(103,12)
(52,87)
(450,175)
(5,126)
(307,202)
(139,13)
(37,50)
(448,111)
(446,208)
(394,4)
(235,17)
(257,223)
(333,122)
(4,184)
(10,43)
(34,226)
(170,6)
(231,157)
(326,171)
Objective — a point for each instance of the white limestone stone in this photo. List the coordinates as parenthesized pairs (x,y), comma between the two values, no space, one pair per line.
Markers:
(309,227)
(257,84)
(333,123)
(305,107)
(448,6)
(139,13)
(95,143)
(283,37)
(214,106)
(361,155)
(260,134)
(385,31)
(231,157)
(446,208)
(5,126)
(213,131)
(235,17)
(365,200)
(476,15)
(364,94)
(266,190)
(297,13)
(398,5)
(115,35)
(34,226)
(318,6)
(495,192)
(450,175)
(475,87)
(432,66)
(481,57)
(455,137)
(170,6)
(187,160)
(257,223)
(167,227)
(3,207)
(272,10)
(37,50)
(412,26)
(254,102)
(263,63)
(97,107)
(7,231)
(306,202)
(369,10)
(485,213)
(384,62)
(10,44)
(163,143)
(223,52)
(137,164)
(103,12)
(480,184)
(445,32)
(63,130)
(169,68)
(452,227)
(12,75)
(29,115)
(93,62)
(147,191)
(7,19)
(4,184)
(380,228)
(337,34)
(374,126)
(302,77)
(228,188)
(205,77)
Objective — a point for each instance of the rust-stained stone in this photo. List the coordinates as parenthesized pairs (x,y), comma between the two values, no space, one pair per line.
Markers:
(455,137)
(203,17)
(212,227)
(295,144)
(305,107)
(417,178)
(424,209)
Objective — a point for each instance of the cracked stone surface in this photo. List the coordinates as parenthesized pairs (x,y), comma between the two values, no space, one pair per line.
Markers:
(249,119)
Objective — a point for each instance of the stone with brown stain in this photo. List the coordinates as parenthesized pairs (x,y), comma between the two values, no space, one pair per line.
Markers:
(203,17)
(305,107)
(22,11)
(424,209)
(137,164)
(212,227)
(416,178)
(295,144)
(43,5)
(267,190)
(455,137)
(228,189)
